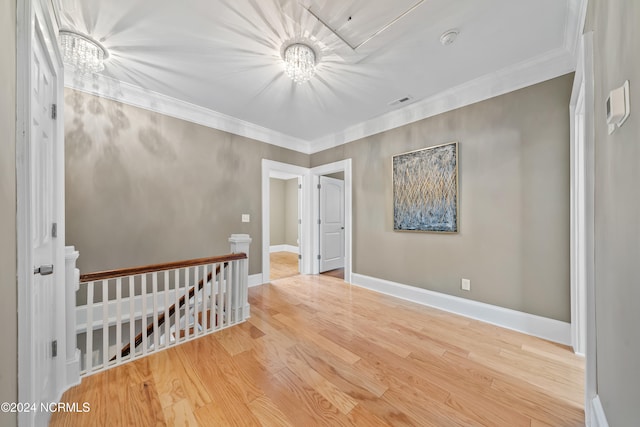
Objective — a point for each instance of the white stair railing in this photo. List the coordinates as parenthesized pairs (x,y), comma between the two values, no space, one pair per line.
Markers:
(128,313)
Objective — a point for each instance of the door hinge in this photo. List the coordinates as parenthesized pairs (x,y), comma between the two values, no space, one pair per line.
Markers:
(319,256)
(54,348)
(319,221)
(54,111)
(299,256)
(299,186)
(299,221)
(43,270)
(54,230)
(319,186)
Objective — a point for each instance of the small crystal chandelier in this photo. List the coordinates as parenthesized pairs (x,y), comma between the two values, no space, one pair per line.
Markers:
(299,62)
(82,53)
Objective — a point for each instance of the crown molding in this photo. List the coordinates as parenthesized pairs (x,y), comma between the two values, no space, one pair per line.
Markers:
(574,25)
(110,88)
(552,64)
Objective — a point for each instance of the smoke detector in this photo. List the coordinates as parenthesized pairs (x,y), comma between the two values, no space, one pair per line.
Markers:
(448,37)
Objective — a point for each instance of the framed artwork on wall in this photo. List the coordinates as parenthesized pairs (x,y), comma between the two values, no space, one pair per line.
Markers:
(425,189)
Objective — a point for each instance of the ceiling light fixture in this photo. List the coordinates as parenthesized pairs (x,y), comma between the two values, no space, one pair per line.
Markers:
(81,52)
(299,62)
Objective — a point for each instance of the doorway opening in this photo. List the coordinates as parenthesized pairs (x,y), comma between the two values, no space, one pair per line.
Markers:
(285,220)
(331,224)
(332,216)
(309,214)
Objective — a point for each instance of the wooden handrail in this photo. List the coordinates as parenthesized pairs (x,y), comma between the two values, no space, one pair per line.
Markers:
(161,317)
(131,271)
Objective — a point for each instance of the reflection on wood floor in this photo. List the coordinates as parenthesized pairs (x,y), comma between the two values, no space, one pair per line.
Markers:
(319,352)
(338,273)
(283,264)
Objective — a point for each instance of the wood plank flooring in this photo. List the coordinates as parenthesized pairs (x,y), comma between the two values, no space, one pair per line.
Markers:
(317,351)
(283,264)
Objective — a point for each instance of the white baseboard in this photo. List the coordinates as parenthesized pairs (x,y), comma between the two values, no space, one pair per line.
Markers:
(255,280)
(542,327)
(284,248)
(598,417)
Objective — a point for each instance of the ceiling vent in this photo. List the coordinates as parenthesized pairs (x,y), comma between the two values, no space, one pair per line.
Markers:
(403,100)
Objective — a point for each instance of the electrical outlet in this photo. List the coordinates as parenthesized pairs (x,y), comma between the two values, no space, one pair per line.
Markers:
(245,218)
(465,284)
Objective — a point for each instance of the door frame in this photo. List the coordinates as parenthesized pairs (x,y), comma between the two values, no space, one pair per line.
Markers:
(583,219)
(269,167)
(309,233)
(37,18)
(316,172)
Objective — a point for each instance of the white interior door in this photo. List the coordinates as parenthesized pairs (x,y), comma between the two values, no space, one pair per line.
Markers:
(43,192)
(299,241)
(331,223)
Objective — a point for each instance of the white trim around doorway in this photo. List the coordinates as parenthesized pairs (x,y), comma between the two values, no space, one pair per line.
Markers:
(316,172)
(309,236)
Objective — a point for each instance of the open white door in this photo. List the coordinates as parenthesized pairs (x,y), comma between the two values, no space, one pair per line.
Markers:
(40,200)
(300,213)
(43,193)
(331,223)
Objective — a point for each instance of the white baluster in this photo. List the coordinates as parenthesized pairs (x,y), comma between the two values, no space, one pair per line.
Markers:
(205,283)
(212,315)
(244,290)
(143,295)
(196,309)
(176,312)
(220,296)
(187,304)
(118,320)
(167,321)
(105,323)
(229,293)
(132,317)
(89,338)
(154,290)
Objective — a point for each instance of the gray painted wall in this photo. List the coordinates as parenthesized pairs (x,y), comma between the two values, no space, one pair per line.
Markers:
(617,211)
(513,242)
(8,283)
(142,187)
(277,200)
(291,212)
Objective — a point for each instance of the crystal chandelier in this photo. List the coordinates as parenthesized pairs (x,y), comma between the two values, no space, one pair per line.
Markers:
(82,53)
(299,62)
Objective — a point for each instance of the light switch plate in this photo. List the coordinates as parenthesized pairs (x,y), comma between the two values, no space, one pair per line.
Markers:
(465,284)
(245,218)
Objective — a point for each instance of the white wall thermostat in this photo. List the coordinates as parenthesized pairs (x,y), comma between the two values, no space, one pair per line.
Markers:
(618,107)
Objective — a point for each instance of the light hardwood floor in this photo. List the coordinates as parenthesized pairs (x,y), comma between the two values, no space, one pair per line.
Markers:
(317,351)
(283,264)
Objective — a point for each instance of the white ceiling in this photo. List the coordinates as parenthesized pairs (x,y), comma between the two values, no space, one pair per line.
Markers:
(224,56)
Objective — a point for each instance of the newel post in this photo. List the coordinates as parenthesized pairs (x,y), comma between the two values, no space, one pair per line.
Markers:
(72,284)
(240,243)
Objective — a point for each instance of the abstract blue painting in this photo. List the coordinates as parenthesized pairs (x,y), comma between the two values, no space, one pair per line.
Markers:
(425,189)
